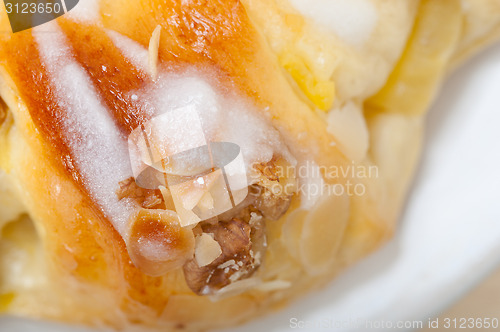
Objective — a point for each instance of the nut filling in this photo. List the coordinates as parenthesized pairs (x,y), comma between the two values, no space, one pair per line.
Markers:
(231,247)
(243,243)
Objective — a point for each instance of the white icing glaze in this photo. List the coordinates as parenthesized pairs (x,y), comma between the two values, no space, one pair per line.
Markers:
(351,20)
(225,118)
(132,50)
(101,153)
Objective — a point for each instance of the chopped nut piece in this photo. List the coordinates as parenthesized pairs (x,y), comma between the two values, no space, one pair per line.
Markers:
(235,288)
(235,262)
(128,189)
(206,249)
(274,285)
(276,185)
(146,198)
(167,198)
(227,264)
(152,201)
(268,170)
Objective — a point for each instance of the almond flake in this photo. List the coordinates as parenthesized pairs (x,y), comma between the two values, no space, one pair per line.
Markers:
(270,286)
(154,44)
(207,250)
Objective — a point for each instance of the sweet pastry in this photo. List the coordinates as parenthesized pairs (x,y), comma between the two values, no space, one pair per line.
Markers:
(187,165)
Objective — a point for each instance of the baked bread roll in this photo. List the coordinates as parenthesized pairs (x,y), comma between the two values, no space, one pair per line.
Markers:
(187,165)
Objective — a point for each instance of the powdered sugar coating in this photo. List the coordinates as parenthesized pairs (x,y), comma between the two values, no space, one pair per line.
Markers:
(99,148)
(223,118)
(130,49)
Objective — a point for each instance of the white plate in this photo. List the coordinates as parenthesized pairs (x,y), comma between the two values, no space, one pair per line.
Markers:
(449,236)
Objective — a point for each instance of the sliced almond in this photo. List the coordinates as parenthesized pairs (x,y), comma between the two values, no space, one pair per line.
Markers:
(235,288)
(274,285)
(154,44)
(193,309)
(292,230)
(322,233)
(206,202)
(396,144)
(191,192)
(206,250)
(167,198)
(348,125)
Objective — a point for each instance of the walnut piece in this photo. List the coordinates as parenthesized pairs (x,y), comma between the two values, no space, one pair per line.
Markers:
(272,206)
(236,262)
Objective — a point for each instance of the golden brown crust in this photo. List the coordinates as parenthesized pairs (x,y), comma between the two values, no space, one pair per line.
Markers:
(169,246)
